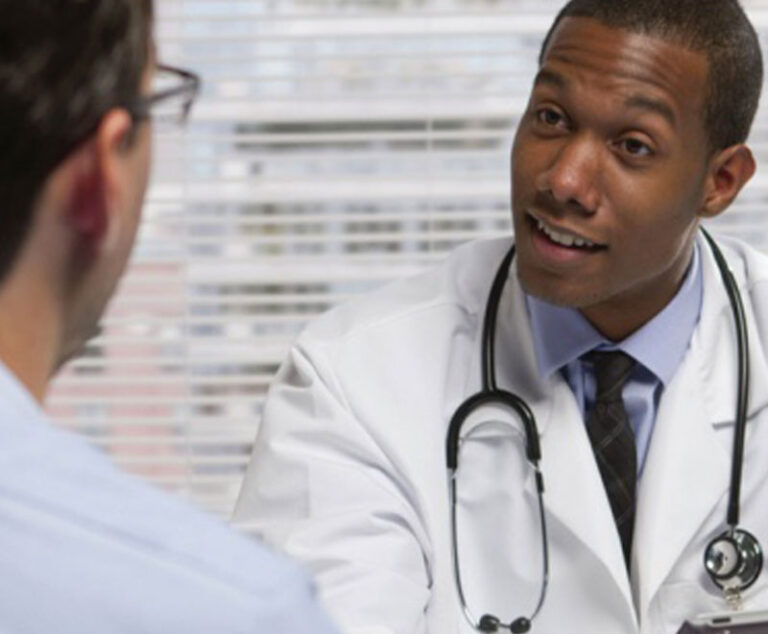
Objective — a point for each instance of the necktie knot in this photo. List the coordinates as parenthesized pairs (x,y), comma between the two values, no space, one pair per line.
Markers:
(612,371)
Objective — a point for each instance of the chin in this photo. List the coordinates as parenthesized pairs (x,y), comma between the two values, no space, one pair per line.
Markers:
(556,292)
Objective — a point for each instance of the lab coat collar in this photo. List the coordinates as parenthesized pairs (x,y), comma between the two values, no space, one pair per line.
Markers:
(694,426)
(715,342)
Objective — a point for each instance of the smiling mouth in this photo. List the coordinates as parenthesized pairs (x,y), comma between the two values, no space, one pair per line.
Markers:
(563,239)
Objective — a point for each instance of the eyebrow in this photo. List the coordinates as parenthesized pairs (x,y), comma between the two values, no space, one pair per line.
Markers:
(546,76)
(652,105)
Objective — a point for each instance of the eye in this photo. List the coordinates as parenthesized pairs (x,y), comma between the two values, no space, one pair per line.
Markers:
(550,117)
(635,147)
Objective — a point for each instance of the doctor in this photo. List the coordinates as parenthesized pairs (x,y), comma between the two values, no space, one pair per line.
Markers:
(634,133)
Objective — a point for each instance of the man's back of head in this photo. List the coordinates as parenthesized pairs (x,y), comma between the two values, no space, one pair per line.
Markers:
(64,64)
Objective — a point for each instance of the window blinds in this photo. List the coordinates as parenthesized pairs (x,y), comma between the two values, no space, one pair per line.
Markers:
(338,144)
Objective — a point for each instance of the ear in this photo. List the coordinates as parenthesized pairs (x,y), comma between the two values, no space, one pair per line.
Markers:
(99,180)
(729,170)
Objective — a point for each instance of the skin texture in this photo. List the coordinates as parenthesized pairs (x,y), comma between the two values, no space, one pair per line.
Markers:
(612,149)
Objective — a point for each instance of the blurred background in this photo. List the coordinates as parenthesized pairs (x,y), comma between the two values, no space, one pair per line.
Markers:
(337,145)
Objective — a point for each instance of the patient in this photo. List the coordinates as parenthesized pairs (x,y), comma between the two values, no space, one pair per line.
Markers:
(85,548)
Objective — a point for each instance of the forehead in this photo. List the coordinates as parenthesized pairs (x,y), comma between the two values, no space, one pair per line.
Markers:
(638,67)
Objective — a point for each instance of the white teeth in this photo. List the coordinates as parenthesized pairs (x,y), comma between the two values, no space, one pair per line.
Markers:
(562,238)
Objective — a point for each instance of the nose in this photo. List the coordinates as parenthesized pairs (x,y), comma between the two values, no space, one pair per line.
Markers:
(572,176)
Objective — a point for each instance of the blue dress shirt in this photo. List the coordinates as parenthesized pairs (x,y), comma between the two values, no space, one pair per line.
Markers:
(87,549)
(562,335)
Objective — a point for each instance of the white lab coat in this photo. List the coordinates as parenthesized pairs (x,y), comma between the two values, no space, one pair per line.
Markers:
(349,475)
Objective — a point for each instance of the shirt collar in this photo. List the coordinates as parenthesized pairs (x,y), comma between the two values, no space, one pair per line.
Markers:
(562,335)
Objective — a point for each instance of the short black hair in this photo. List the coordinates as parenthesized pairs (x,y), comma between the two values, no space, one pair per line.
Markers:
(63,65)
(717,28)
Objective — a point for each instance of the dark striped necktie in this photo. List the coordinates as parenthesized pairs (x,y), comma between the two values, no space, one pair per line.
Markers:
(613,440)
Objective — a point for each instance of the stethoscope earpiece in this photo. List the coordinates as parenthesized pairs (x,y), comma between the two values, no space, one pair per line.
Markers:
(734,559)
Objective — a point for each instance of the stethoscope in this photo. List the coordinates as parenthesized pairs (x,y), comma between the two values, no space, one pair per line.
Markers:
(733,559)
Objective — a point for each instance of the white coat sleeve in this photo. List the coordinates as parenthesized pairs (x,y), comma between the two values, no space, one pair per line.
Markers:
(320,488)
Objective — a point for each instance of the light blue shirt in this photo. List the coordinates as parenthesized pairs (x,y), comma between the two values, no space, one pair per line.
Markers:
(87,549)
(562,335)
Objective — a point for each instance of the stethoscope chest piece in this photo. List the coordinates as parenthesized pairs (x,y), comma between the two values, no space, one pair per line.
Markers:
(734,559)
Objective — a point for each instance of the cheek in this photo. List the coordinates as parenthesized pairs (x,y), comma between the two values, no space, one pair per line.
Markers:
(524,157)
(523,182)
(662,200)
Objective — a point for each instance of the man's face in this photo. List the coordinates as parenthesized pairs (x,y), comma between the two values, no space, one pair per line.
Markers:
(608,168)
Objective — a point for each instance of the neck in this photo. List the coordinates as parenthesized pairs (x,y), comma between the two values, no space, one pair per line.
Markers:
(29,334)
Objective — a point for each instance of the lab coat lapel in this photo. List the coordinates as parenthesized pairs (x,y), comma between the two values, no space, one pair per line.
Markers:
(687,470)
(574,492)
(685,475)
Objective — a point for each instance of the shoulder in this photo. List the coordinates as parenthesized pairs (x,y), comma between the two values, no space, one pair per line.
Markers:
(65,511)
(456,286)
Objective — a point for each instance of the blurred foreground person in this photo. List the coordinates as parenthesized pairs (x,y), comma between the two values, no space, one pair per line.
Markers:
(85,548)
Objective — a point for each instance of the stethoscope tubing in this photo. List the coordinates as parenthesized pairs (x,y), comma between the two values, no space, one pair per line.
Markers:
(742,341)
(489,323)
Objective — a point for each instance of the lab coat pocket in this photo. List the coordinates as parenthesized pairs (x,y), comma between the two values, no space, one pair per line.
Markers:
(681,601)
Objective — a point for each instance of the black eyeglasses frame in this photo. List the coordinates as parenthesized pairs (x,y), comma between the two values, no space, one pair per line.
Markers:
(141,107)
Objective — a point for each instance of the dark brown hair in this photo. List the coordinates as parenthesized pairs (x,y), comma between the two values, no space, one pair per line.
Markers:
(63,65)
